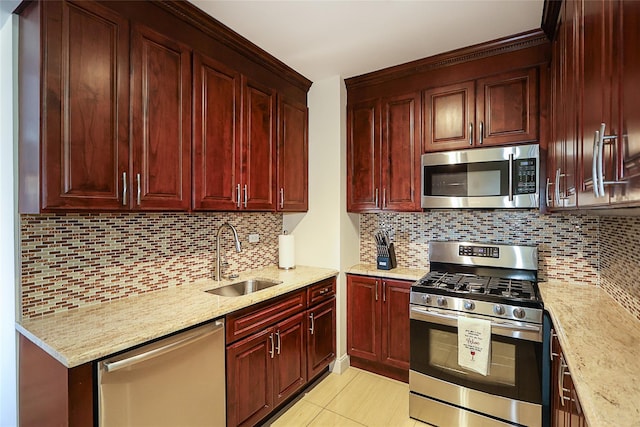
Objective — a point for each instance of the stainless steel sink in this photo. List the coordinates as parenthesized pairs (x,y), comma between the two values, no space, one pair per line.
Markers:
(244,287)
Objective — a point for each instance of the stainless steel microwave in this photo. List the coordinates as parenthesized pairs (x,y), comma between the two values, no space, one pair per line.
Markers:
(499,177)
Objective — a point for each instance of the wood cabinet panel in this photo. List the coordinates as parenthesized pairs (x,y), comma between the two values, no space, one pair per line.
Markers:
(250,379)
(363,317)
(290,359)
(321,291)
(85,98)
(449,117)
(161,121)
(293,157)
(378,325)
(400,159)
(259,147)
(565,405)
(507,108)
(216,117)
(321,337)
(363,156)
(395,315)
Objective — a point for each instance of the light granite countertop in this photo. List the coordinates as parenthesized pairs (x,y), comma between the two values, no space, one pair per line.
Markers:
(395,273)
(601,343)
(86,334)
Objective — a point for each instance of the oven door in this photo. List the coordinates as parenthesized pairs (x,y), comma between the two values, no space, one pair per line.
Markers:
(511,391)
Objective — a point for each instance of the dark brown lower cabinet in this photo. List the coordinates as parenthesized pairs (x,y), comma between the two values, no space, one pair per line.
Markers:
(565,405)
(378,325)
(275,348)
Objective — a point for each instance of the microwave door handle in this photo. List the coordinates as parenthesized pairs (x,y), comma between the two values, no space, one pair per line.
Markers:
(511,177)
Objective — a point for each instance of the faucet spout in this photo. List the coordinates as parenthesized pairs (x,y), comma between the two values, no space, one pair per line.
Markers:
(236,241)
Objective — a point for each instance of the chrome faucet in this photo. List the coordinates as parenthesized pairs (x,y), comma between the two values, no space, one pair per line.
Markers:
(237,242)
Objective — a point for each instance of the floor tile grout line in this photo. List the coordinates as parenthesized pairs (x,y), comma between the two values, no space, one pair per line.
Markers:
(343,416)
(342,388)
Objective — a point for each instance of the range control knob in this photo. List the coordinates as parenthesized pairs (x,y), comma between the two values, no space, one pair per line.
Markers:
(426,299)
(442,302)
(498,309)
(469,305)
(518,313)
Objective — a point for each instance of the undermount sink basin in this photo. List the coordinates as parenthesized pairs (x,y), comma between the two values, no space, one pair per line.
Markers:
(243,288)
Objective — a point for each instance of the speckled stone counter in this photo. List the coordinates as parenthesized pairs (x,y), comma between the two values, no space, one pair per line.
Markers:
(601,342)
(396,273)
(86,334)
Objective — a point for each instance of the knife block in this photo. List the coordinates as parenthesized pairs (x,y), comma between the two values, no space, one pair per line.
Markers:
(387,262)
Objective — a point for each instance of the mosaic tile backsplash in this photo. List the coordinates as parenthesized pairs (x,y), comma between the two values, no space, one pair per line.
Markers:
(620,260)
(72,260)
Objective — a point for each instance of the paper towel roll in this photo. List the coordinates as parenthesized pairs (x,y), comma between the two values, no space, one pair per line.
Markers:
(286,251)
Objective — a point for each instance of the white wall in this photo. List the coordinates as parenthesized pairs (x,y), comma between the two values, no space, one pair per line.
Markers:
(8,235)
(326,236)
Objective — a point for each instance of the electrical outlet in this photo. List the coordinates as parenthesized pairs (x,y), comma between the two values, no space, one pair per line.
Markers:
(254,238)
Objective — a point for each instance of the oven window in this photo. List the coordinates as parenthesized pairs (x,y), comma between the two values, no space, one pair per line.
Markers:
(444,356)
(516,364)
(467,180)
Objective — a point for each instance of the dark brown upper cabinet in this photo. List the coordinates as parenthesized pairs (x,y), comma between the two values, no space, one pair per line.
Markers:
(74,113)
(234,141)
(383,154)
(118,113)
(495,110)
(293,156)
(595,157)
(160,123)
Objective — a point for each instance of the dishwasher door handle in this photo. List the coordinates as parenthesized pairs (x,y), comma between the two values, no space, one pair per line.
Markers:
(112,366)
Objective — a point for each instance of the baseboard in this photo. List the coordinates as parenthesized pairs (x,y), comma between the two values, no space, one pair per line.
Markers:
(340,365)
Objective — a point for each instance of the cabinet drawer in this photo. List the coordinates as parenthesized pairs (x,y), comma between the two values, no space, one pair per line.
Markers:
(256,317)
(321,291)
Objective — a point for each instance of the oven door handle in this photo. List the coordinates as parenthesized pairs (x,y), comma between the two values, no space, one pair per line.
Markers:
(524,331)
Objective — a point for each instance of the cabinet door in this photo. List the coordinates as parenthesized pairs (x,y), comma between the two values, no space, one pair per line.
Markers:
(595,92)
(400,160)
(293,157)
(258,147)
(507,108)
(363,317)
(627,24)
(85,107)
(395,323)
(449,115)
(250,378)
(363,156)
(216,124)
(290,360)
(161,106)
(321,337)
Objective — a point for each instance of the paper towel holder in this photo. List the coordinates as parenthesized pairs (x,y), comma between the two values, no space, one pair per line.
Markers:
(280,254)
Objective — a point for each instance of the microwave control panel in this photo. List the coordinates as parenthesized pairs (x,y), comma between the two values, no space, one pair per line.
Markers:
(525,181)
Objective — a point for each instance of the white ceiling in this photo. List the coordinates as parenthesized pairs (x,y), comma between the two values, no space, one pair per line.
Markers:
(322,38)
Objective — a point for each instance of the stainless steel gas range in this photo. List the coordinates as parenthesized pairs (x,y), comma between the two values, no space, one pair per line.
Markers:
(494,286)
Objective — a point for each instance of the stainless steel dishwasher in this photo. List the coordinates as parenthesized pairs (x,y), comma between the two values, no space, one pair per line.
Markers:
(177,381)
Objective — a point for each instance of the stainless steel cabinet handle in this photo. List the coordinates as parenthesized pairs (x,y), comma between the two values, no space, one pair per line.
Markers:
(384,197)
(548,199)
(271,352)
(281,197)
(376,290)
(551,353)
(138,196)
(138,358)
(481,136)
(376,198)
(470,133)
(312,328)
(278,345)
(594,163)
(238,195)
(245,195)
(557,188)
(384,291)
(601,161)
(561,371)
(124,189)
(510,170)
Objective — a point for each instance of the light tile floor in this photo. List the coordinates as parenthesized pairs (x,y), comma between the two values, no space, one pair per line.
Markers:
(354,398)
